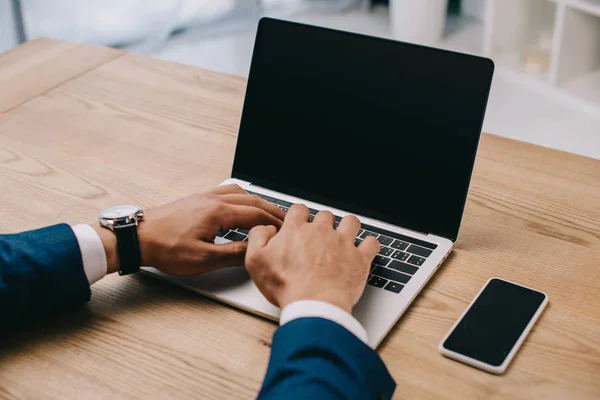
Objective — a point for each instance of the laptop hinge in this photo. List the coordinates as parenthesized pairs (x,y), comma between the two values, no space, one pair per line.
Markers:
(410,230)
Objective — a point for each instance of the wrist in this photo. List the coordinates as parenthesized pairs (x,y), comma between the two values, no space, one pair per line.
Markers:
(339,300)
(109,242)
(147,245)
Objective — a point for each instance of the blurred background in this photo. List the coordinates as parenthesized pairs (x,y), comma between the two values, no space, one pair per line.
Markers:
(546,89)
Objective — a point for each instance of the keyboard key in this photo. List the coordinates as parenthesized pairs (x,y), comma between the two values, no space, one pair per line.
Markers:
(367,233)
(418,250)
(336,224)
(391,275)
(399,244)
(400,255)
(313,212)
(360,232)
(385,240)
(222,233)
(377,281)
(235,236)
(310,218)
(400,237)
(379,260)
(357,241)
(386,251)
(394,287)
(403,267)
(416,260)
(244,231)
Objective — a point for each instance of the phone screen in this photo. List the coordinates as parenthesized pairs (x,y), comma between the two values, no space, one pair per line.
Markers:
(492,326)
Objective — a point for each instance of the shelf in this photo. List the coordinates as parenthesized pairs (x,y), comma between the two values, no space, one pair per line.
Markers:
(513,61)
(549,46)
(519,35)
(587,6)
(577,69)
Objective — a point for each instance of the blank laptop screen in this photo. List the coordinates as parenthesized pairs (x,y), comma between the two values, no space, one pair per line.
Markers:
(380,128)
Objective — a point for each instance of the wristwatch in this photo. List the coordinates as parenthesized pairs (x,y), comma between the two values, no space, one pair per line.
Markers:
(123,221)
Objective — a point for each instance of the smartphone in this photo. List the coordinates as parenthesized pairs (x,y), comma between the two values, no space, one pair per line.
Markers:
(492,328)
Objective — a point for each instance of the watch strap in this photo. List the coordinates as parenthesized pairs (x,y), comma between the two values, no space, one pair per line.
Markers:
(128,247)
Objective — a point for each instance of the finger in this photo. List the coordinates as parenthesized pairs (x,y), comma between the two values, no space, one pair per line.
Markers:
(228,189)
(259,237)
(256,264)
(324,217)
(349,226)
(246,217)
(227,255)
(297,214)
(369,248)
(253,201)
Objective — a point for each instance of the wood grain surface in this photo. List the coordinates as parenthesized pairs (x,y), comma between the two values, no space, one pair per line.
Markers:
(130,129)
(39,65)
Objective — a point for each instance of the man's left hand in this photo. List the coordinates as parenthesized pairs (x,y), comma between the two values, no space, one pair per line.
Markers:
(178,238)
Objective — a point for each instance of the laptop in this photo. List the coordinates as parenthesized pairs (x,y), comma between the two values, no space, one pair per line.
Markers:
(384,130)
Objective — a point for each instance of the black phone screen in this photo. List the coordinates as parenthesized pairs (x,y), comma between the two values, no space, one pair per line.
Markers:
(491,327)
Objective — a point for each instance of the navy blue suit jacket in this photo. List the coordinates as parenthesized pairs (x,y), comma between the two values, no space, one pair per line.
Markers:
(41,272)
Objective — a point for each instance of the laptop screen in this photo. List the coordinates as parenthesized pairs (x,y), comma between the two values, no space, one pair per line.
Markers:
(380,128)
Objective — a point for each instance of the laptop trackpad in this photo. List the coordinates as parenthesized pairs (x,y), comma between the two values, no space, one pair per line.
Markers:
(221,279)
(230,285)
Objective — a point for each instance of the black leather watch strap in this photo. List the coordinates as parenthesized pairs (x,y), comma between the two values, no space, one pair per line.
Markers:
(128,248)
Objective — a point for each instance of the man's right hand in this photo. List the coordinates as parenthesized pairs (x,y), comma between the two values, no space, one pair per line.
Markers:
(310,261)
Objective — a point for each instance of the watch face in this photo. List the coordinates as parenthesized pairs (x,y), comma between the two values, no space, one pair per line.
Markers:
(117,212)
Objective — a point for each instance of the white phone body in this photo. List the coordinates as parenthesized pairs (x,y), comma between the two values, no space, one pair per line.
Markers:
(494,369)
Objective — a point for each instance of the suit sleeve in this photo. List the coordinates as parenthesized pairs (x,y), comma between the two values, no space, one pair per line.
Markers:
(314,358)
(41,272)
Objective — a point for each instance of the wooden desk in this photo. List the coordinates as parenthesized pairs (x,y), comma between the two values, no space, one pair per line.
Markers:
(85,127)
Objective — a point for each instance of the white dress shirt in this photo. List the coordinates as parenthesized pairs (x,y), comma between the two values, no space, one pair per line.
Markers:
(94,266)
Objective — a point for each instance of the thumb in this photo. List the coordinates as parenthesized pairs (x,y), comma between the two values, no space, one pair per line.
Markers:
(259,237)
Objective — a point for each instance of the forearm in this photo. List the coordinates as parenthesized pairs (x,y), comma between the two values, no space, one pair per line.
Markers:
(41,272)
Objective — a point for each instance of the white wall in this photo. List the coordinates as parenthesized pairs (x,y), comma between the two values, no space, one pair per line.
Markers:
(473,8)
(115,21)
(8,32)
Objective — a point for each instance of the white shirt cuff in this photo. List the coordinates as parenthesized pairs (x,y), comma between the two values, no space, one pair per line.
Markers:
(321,309)
(92,252)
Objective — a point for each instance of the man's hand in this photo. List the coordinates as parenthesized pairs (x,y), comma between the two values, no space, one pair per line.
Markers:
(310,261)
(178,238)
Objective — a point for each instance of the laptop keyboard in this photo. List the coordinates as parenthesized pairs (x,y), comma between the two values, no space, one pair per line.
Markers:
(398,260)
